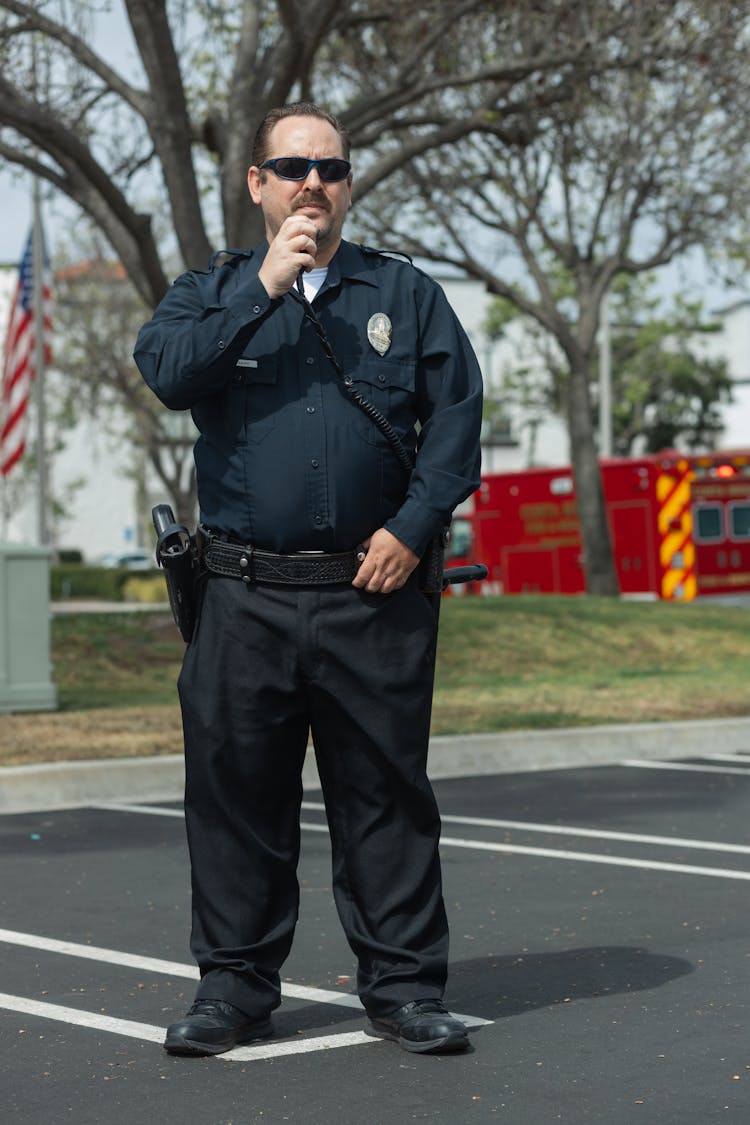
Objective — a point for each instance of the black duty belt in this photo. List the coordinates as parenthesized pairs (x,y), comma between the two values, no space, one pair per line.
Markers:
(235,560)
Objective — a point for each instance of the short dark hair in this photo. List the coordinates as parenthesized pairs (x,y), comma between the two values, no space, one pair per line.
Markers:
(295,109)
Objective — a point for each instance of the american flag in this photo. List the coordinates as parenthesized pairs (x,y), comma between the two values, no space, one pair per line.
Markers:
(19,362)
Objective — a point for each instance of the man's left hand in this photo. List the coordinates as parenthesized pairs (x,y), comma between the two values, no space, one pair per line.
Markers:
(387,564)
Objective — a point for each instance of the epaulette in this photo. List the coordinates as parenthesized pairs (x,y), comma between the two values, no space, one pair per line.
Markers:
(386,253)
(227,256)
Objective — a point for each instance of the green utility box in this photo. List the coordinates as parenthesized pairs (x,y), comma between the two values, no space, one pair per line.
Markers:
(25,667)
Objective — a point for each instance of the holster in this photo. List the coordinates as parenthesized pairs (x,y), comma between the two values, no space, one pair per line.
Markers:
(176,554)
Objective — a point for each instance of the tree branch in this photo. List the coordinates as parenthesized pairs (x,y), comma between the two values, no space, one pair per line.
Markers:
(36,21)
(88,185)
(169,125)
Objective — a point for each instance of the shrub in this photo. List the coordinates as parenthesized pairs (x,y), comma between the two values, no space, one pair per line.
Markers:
(150,588)
(69,555)
(71,580)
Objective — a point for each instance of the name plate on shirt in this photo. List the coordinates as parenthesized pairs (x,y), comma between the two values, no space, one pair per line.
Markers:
(246,362)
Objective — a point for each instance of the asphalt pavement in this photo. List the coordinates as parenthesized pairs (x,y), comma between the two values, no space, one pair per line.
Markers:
(599,917)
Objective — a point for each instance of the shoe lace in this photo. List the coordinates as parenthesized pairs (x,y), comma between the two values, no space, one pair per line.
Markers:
(207,1008)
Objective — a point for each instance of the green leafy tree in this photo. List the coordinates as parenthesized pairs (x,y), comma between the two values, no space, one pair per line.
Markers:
(97,314)
(665,393)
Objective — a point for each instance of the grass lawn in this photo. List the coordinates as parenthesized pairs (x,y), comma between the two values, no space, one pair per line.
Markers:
(503,663)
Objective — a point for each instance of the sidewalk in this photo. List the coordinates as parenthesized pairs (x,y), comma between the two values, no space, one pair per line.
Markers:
(71,784)
(100,605)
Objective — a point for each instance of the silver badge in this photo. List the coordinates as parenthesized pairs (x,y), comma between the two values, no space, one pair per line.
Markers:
(379,332)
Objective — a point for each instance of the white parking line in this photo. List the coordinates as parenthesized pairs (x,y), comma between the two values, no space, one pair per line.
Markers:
(96,1020)
(150,1033)
(592,857)
(684,767)
(551,853)
(96,953)
(519,825)
(168,968)
(153,810)
(588,833)
(154,1034)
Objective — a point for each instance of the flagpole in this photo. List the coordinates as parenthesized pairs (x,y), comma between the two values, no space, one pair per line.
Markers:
(39,329)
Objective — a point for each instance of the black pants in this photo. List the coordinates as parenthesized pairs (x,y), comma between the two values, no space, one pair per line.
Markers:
(267,665)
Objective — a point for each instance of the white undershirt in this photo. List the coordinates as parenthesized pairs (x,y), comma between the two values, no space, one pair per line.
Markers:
(313,281)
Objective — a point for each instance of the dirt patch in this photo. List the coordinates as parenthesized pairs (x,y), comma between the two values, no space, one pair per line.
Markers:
(117,732)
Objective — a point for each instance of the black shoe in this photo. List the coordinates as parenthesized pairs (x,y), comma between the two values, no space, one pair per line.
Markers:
(421,1026)
(213,1026)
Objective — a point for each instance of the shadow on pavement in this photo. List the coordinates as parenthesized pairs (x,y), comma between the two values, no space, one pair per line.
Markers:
(493,987)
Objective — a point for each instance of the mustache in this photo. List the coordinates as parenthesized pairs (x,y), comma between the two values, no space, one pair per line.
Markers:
(317,198)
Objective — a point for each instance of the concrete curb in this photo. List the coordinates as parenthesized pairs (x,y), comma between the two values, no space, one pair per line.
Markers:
(73,784)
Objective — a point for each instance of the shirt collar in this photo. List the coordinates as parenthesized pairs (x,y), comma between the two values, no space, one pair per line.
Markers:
(349,262)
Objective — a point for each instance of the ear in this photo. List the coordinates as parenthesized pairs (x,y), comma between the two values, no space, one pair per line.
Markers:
(253,183)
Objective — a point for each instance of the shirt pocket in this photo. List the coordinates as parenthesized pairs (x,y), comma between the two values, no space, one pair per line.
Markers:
(253,397)
(390,385)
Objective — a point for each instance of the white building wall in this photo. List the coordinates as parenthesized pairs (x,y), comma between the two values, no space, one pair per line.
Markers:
(732,342)
(542,442)
(101,513)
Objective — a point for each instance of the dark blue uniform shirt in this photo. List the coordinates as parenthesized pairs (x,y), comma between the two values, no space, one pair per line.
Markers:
(284,459)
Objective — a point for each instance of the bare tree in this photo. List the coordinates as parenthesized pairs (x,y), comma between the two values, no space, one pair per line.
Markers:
(155,150)
(405,77)
(642,162)
(604,134)
(98,314)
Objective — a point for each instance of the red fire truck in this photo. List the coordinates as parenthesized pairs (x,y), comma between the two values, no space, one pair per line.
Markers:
(680,527)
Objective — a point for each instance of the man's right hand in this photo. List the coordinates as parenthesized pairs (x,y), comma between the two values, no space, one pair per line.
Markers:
(293,249)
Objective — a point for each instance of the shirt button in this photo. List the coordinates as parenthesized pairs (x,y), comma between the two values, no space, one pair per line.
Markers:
(381,378)
(256,308)
(314,463)
(310,409)
(309,361)
(222,345)
(318,519)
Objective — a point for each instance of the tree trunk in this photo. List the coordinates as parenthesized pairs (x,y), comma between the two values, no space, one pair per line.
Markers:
(598,559)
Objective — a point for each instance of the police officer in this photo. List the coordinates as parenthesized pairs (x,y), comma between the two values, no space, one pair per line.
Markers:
(311,618)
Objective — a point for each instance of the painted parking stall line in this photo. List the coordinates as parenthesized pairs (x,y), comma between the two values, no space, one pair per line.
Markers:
(592,857)
(559,854)
(166,968)
(152,1033)
(80,1018)
(584,833)
(683,767)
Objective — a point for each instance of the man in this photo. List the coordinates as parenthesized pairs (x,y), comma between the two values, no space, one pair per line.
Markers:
(311,617)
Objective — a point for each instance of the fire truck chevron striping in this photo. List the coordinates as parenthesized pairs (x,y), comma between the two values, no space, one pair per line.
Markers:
(679,524)
(675,526)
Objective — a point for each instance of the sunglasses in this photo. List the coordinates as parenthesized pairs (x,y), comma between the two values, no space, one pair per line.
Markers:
(331,169)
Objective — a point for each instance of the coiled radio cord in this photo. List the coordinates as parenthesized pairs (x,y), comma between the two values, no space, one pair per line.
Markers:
(347,385)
